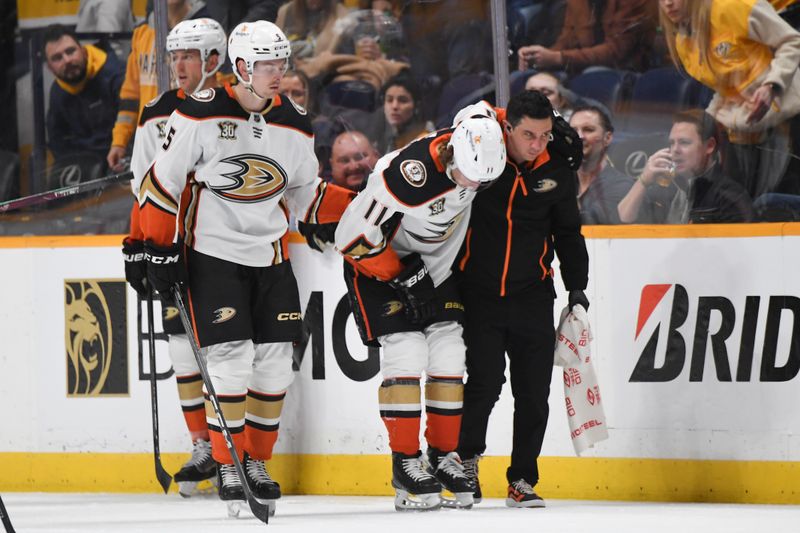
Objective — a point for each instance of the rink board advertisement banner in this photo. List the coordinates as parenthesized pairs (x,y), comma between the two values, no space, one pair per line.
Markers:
(695,348)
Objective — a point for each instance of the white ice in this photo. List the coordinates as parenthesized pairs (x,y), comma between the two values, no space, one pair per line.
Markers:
(118,513)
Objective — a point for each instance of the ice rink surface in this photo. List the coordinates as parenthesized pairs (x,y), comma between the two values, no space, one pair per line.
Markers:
(68,513)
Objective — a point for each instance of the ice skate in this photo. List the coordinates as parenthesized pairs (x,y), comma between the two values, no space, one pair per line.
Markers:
(415,488)
(449,470)
(471,471)
(521,494)
(199,474)
(264,488)
(230,489)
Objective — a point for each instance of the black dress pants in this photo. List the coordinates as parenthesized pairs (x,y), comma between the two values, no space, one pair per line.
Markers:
(520,325)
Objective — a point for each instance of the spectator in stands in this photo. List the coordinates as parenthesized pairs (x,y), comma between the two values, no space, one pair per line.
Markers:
(370,49)
(562,99)
(230,13)
(84,96)
(352,159)
(296,85)
(748,55)
(615,33)
(311,26)
(140,84)
(399,122)
(685,183)
(600,186)
(105,16)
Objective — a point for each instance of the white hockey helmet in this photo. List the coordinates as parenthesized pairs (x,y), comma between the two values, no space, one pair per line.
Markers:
(256,41)
(481,109)
(479,151)
(205,35)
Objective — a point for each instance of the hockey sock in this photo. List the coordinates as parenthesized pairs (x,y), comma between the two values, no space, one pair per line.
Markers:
(399,403)
(190,392)
(444,400)
(232,406)
(262,418)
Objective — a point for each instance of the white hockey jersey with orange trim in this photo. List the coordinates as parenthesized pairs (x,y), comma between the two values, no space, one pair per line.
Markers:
(409,205)
(244,169)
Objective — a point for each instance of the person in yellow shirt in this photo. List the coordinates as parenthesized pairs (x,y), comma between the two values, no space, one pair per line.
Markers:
(746,53)
(140,84)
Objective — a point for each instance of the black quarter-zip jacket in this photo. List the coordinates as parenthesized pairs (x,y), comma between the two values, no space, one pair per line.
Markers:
(517,225)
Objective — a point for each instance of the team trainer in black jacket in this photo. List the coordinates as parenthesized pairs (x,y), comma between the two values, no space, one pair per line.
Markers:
(507,286)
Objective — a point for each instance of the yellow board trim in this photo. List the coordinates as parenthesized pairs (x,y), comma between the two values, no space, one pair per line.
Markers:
(688,231)
(669,480)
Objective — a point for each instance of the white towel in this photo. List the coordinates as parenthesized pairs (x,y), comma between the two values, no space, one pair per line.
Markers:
(587,420)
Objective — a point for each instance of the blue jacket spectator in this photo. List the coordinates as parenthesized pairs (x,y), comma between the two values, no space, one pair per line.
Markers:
(84,97)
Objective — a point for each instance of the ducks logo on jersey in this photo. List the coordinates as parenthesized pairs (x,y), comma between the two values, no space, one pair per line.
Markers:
(257,178)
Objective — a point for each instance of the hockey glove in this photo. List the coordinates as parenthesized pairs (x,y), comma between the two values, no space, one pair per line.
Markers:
(318,235)
(578,297)
(135,265)
(566,142)
(165,267)
(416,290)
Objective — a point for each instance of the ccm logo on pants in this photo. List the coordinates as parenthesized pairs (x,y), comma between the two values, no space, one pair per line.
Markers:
(289,316)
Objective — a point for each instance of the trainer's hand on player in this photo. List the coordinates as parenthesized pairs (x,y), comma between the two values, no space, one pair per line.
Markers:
(135,265)
(318,235)
(416,290)
(165,267)
(114,158)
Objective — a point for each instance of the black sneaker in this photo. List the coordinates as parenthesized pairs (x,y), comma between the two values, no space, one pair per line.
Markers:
(471,471)
(259,480)
(521,494)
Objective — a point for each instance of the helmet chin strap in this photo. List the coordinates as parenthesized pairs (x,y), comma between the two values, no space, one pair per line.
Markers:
(204,77)
(249,86)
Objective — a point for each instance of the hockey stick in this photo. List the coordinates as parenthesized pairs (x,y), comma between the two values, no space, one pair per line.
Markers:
(5,519)
(260,510)
(164,479)
(63,192)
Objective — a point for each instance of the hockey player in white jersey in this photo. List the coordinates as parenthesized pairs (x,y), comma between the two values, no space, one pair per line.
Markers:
(399,238)
(197,50)
(248,154)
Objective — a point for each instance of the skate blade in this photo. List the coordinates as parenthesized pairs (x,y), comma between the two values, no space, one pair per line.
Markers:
(458,500)
(405,501)
(235,508)
(241,509)
(189,489)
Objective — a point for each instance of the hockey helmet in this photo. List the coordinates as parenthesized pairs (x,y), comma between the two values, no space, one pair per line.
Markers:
(481,109)
(257,41)
(205,35)
(479,151)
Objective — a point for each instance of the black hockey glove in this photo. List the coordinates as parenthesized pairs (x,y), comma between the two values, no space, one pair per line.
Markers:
(566,142)
(135,265)
(416,290)
(318,235)
(165,267)
(577,297)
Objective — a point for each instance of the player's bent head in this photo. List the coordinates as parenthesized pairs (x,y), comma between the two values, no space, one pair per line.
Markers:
(479,151)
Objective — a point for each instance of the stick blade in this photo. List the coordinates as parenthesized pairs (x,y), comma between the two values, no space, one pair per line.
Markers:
(259,510)
(164,479)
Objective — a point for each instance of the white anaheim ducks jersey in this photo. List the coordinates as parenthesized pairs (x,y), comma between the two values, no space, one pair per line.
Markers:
(243,169)
(409,205)
(151,133)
